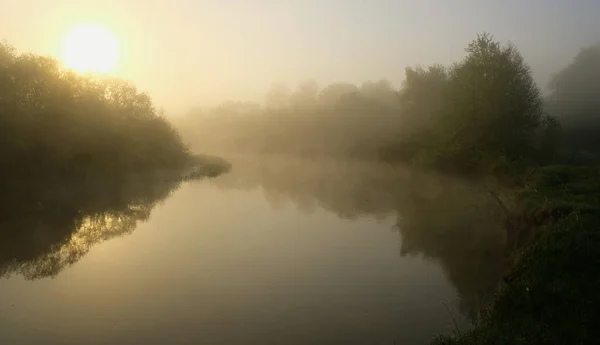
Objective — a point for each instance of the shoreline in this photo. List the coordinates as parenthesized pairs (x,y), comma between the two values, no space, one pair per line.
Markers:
(551,291)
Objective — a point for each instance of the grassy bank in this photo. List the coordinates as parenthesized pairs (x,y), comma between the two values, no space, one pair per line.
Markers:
(552,294)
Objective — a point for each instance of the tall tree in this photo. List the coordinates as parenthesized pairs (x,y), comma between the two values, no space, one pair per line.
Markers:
(494,107)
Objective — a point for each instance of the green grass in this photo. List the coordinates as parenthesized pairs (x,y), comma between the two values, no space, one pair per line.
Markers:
(554,294)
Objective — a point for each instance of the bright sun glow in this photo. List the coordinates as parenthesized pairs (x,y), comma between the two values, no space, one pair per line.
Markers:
(90,48)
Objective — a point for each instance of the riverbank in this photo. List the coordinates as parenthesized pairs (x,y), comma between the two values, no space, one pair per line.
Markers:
(553,291)
(201,166)
(49,225)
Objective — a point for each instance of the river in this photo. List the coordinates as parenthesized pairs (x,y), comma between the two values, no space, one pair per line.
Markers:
(277,251)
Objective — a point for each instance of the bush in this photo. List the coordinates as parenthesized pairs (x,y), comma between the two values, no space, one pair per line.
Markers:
(58,125)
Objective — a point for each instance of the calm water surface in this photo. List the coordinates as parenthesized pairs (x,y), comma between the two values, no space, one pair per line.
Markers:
(271,253)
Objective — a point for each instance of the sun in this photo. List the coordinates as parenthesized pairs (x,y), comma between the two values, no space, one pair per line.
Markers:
(90,48)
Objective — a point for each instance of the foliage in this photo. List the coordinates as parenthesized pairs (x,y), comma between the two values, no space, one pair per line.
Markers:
(553,291)
(575,103)
(58,125)
(84,159)
(480,110)
(465,117)
(341,119)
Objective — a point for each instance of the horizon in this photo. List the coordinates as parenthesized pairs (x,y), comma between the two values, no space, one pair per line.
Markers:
(200,54)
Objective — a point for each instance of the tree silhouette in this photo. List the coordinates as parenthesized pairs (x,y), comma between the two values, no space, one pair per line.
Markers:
(472,116)
(47,230)
(575,101)
(55,124)
(453,222)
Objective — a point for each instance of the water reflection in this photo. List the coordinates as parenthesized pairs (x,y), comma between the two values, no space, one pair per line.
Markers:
(461,227)
(347,188)
(45,229)
(277,250)
(455,223)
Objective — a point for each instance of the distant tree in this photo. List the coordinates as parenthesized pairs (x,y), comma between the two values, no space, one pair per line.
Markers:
(332,93)
(305,94)
(550,138)
(482,109)
(278,96)
(236,109)
(381,92)
(494,105)
(575,100)
(421,104)
(469,116)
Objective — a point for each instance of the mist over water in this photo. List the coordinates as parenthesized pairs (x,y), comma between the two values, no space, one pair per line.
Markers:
(452,222)
(331,226)
(278,250)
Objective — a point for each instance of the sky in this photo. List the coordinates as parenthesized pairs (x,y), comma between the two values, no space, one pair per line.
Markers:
(200,53)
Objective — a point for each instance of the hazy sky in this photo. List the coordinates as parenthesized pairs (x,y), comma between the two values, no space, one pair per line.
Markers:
(187,53)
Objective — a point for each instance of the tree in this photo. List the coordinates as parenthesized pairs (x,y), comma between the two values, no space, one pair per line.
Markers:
(332,93)
(305,94)
(575,100)
(422,103)
(278,96)
(55,124)
(495,105)
(483,109)
(381,92)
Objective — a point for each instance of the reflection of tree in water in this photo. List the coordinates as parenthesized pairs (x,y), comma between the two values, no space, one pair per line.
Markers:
(347,188)
(45,230)
(460,227)
(452,222)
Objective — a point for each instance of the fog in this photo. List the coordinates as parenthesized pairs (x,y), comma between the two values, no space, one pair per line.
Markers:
(575,101)
(467,233)
(202,53)
(342,120)
(298,172)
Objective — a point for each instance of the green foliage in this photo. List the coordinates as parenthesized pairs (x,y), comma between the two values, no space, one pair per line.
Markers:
(469,117)
(480,110)
(498,103)
(549,139)
(552,296)
(553,299)
(563,189)
(423,98)
(84,160)
(57,125)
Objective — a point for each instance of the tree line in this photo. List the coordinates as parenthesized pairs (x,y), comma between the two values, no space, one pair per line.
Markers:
(56,125)
(482,113)
(84,159)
